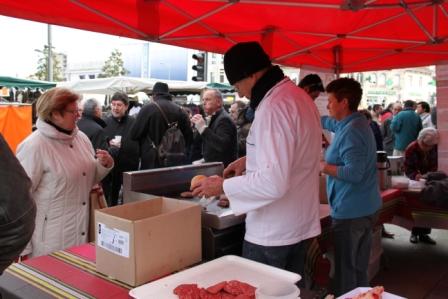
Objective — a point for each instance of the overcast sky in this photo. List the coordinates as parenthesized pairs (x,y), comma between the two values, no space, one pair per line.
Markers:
(19,39)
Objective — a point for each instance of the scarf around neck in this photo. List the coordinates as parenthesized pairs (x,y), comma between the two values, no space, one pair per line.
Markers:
(264,84)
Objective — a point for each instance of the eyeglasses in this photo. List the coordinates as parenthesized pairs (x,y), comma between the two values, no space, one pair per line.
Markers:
(74,112)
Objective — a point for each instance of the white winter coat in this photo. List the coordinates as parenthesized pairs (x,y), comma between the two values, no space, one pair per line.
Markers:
(280,191)
(63,170)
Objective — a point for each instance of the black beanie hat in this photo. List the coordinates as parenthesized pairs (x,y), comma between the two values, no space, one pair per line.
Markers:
(160,88)
(244,59)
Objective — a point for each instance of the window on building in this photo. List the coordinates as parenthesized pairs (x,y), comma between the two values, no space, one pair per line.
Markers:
(373,79)
(409,81)
(397,79)
(82,77)
(382,80)
(91,76)
(221,77)
(212,77)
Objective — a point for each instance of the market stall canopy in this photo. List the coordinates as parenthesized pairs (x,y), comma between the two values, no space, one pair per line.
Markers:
(221,86)
(24,83)
(109,86)
(327,35)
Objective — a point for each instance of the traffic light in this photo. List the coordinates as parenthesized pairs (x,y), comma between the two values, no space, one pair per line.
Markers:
(199,67)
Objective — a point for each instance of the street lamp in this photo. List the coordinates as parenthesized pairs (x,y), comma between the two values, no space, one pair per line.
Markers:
(50,54)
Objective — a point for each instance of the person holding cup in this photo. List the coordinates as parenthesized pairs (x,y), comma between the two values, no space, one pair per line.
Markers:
(123,149)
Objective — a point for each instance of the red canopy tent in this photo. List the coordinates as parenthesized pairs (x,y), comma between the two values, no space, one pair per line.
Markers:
(326,35)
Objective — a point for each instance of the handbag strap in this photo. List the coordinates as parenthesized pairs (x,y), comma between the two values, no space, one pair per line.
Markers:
(163,113)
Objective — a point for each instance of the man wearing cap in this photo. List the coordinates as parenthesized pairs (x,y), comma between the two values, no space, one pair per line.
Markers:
(276,184)
(421,158)
(312,84)
(150,125)
(122,148)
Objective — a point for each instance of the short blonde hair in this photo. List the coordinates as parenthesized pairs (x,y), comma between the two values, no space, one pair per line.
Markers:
(55,99)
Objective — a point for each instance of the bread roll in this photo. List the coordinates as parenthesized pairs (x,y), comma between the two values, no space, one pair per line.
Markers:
(196,180)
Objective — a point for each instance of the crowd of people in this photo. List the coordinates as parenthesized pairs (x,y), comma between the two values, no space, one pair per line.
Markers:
(271,150)
(409,130)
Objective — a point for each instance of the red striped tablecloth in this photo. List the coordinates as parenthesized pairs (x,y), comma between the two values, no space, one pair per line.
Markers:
(69,273)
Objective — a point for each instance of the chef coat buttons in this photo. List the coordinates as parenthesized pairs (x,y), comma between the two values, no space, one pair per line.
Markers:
(83,233)
(84,174)
(84,203)
(71,145)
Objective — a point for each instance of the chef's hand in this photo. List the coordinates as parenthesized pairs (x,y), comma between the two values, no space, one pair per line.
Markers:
(199,123)
(211,186)
(104,158)
(235,168)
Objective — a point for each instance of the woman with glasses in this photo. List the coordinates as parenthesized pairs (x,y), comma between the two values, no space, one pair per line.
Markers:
(63,167)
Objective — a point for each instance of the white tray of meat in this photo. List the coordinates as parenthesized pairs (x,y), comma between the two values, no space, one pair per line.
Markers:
(369,293)
(228,269)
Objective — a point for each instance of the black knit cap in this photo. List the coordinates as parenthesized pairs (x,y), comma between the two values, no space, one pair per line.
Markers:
(160,88)
(243,60)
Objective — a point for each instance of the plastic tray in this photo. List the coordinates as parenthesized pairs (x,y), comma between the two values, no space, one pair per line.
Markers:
(227,268)
(358,291)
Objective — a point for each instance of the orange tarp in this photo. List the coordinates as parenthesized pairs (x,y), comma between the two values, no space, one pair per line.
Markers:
(15,123)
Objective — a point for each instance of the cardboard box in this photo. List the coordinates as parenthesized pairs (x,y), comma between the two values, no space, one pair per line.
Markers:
(142,241)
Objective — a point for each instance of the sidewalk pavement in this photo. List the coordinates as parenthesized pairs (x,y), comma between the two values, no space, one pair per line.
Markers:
(414,271)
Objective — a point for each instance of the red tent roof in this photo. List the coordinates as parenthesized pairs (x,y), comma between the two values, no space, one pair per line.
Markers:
(347,36)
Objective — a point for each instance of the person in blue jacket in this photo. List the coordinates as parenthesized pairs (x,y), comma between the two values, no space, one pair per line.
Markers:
(352,186)
(406,125)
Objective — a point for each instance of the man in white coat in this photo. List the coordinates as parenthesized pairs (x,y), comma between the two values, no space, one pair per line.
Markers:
(276,184)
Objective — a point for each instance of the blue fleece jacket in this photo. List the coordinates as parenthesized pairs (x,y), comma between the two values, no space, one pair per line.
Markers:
(354,192)
(406,125)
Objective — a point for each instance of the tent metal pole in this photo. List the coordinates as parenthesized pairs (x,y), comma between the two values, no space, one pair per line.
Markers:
(435,23)
(337,60)
(443,10)
(113,20)
(194,21)
(366,5)
(294,53)
(417,21)
(378,23)
(217,33)
(386,40)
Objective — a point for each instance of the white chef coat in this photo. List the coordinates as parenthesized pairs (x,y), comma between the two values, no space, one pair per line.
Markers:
(280,190)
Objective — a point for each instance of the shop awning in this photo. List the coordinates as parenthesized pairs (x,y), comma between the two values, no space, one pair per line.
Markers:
(326,35)
(24,83)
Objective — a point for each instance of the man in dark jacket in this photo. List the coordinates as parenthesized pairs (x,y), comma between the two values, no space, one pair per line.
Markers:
(17,208)
(219,137)
(92,125)
(150,125)
(123,149)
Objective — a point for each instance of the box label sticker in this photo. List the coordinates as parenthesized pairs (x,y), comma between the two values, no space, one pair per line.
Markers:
(113,240)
